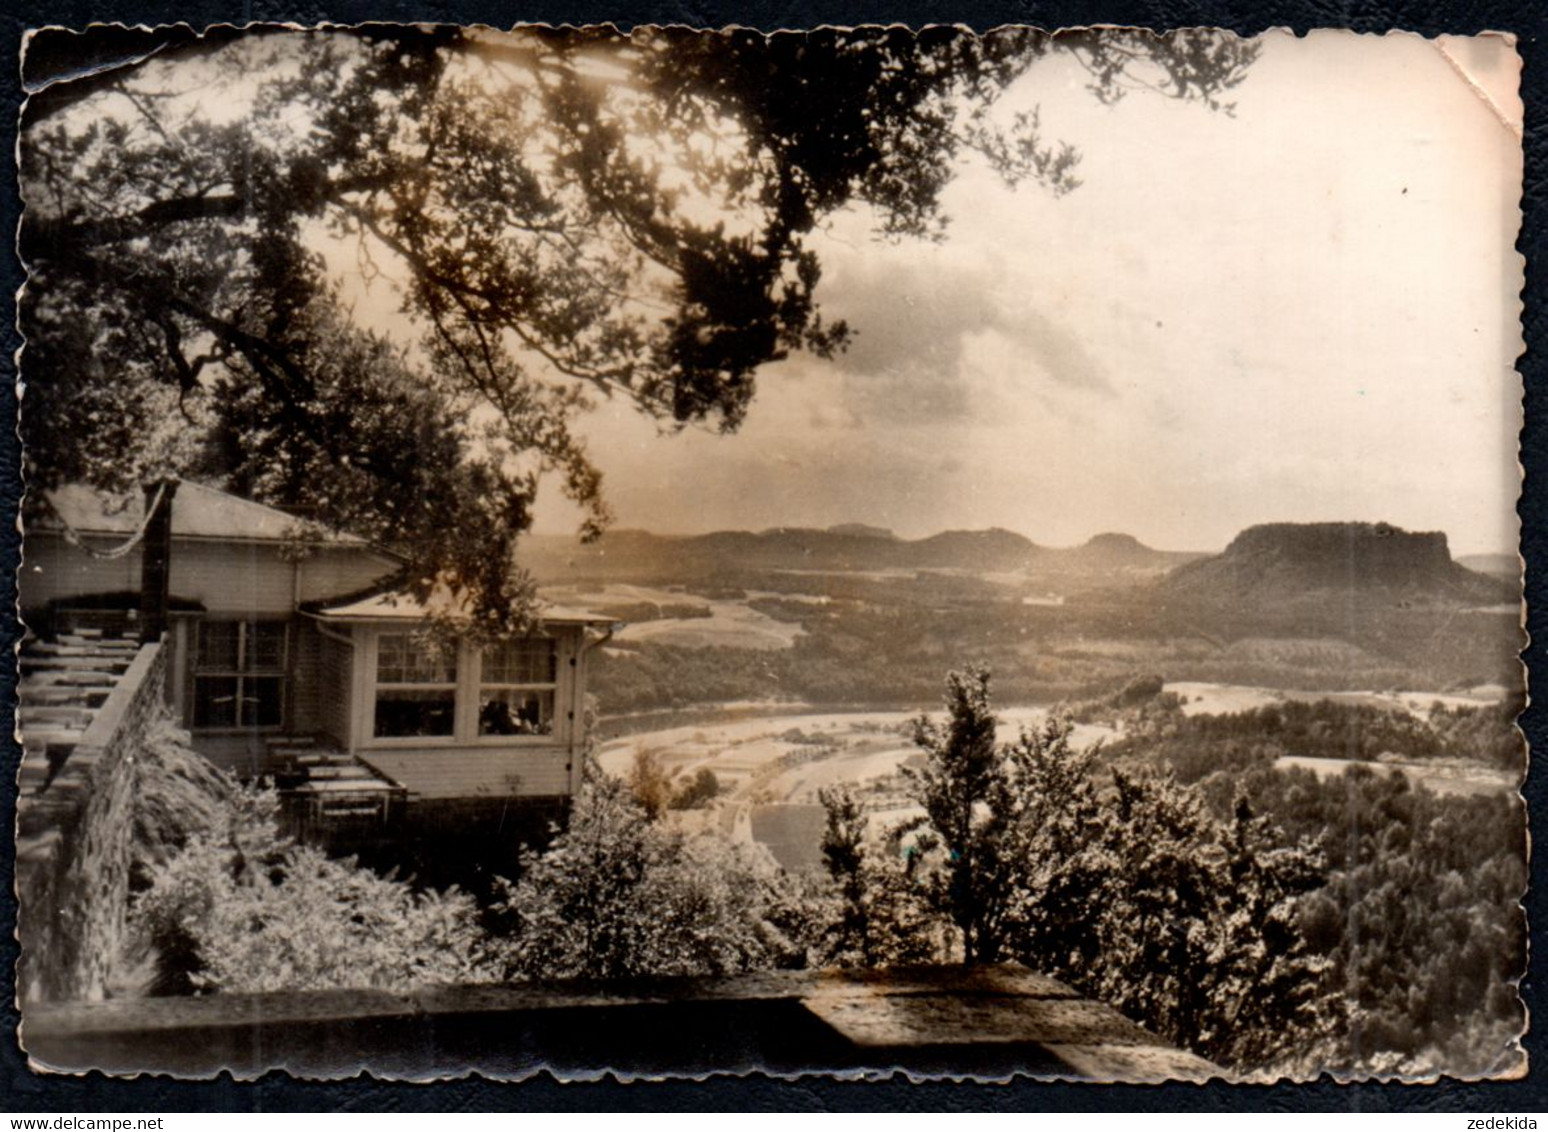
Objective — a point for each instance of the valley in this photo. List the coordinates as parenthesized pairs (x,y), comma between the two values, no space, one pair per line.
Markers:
(791,661)
(770,766)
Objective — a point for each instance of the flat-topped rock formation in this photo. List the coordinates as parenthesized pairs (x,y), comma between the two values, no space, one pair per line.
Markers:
(1300,562)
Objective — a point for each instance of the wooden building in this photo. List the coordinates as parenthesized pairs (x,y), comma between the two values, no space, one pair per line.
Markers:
(291,659)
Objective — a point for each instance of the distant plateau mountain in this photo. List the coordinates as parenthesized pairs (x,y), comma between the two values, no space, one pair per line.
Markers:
(1328,563)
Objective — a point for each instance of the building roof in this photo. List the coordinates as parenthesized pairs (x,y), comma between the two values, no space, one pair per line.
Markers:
(452,773)
(198,511)
(398,606)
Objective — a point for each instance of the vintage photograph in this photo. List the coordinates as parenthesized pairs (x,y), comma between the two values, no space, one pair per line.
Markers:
(847,551)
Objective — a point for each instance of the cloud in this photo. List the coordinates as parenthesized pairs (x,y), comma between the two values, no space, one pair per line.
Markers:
(909,316)
(929,325)
(1060,353)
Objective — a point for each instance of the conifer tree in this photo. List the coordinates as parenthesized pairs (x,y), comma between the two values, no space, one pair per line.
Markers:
(965,791)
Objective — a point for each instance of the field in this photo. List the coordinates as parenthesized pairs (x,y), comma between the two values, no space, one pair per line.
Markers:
(711,623)
(1452,779)
(1200,698)
(846,640)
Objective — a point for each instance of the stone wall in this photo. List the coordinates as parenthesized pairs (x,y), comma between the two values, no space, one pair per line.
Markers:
(931,1021)
(74,847)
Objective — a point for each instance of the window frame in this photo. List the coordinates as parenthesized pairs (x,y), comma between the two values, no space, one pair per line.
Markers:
(551,686)
(466,691)
(379,686)
(241,673)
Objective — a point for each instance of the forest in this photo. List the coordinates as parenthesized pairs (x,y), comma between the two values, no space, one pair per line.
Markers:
(1418,915)
(880,644)
(1195,745)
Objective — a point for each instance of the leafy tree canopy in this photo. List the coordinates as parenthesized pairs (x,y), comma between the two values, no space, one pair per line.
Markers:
(565,214)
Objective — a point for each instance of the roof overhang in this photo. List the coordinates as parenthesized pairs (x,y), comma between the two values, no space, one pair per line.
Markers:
(399,608)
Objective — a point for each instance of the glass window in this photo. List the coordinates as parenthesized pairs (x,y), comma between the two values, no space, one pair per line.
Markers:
(264,643)
(220,644)
(401,659)
(239,674)
(515,711)
(263,701)
(416,688)
(406,712)
(517,681)
(527,661)
(216,699)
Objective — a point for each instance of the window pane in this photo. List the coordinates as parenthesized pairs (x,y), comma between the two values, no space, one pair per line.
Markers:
(215,701)
(406,712)
(526,661)
(400,659)
(265,645)
(511,711)
(263,701)
(218,645)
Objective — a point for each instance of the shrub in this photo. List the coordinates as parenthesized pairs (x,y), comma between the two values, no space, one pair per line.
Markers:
(242,909)
(618,895)
(698,791)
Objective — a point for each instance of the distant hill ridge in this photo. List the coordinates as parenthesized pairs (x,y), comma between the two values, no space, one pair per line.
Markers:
(844,547)
(1118,549)
(1504,565)
(861,530)
(1298,562)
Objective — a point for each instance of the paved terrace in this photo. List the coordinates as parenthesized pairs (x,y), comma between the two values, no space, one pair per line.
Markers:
(930,1021)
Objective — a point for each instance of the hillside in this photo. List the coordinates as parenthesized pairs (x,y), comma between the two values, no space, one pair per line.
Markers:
(848,548)
(1502,565)
(1119,554)
(993,550)
(1372,564)
(863,530)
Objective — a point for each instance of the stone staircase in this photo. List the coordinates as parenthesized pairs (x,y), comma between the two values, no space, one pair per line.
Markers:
(63,684)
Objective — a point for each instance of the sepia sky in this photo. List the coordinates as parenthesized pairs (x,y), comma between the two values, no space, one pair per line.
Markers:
(1303,312)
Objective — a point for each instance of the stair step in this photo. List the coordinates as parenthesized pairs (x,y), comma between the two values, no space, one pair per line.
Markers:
(51,736)
(67,677)
(32,776)
(288,742)
(51,749)
(80,639)
(74,663)
(96,650)
(31,716)
(76,695)
(336,773)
